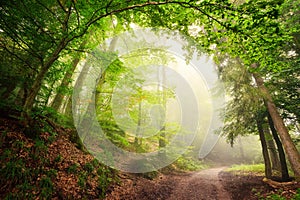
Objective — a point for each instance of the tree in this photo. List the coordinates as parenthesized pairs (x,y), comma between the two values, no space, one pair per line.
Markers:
(57,101)
(289,146)
(271,147)
(283,165)
(58,24)
(37,33)
(268,167)
(246,99)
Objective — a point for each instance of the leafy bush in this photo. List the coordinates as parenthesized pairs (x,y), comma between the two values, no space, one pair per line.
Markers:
(189,164)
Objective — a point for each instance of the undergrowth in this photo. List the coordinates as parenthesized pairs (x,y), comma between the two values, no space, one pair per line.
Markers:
(273,194)
(255,168)
(189,164)
(278,195)
(48,166)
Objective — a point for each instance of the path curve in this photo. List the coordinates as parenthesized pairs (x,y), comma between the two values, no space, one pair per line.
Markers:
(201,185)
(204,184)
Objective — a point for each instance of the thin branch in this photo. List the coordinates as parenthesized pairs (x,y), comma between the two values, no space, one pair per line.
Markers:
(92,21)
(28,49)
(125,9)
(11,31)
(18,57)
(49,10)
(61,6)
(39,27)
(66,20)
(77,13)
(185,5)
(107,6)
(78,50)
(216,20)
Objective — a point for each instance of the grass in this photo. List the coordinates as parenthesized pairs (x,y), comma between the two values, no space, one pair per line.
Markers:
(258,169)
(254,168)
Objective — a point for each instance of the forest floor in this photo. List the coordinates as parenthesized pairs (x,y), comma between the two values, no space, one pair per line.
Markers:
(53,167)
(210,184)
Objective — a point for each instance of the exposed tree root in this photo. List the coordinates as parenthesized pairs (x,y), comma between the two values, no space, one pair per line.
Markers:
(283,185)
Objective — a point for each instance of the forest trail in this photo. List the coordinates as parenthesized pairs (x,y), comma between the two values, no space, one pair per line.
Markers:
(205,184)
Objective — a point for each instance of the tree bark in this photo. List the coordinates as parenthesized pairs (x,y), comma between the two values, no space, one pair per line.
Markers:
(268,168)
(289,146)
(138,128)
(57,102)
(9,89)
(283,166)
(162,140)
(272,149)
(242,154)
(29,101)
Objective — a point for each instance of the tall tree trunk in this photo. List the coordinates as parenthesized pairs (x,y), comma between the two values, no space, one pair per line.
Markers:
(10,87)
(284,169)
(21,96)
(57,102)
(162,137)
(67,106)
(268,168)
(272,149)
(138,128)
(37,84)
(242,154)
(289,146)
(87,120)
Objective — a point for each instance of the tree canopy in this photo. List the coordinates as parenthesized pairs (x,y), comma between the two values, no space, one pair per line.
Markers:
(42,43)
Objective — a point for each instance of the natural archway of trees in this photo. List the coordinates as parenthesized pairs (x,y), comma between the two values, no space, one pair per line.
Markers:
(256,45)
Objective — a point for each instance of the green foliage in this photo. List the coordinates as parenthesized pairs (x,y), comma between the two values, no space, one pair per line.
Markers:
(105,178)
(2,137)
(73,168)
(149,175)
(89,167)
(13,170)
(51,173)
(46,187)
(58,158)
(275,197)
(39,38)
(40,146)
(189,164)
(257,168)
(297,195)
(82,179)
(47,115)
(28,172)
(245,102)
(104,175)
(278,195)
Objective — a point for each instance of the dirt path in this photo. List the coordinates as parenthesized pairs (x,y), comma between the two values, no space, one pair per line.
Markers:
(205,184)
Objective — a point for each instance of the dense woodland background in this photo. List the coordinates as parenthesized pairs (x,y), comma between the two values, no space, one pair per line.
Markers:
(255,45)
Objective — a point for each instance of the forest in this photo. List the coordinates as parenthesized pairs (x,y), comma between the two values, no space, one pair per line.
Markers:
(141,99)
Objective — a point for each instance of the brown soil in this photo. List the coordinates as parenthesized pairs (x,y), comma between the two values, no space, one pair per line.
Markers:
(207,184)
(244,187)
(210,184)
